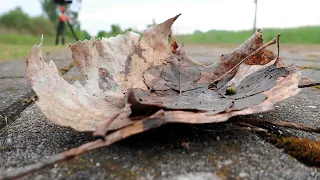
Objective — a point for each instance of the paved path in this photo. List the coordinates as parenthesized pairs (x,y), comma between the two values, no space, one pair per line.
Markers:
(222,153)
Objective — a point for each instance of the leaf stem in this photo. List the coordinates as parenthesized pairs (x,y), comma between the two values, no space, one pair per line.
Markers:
(273,41)
(309,85)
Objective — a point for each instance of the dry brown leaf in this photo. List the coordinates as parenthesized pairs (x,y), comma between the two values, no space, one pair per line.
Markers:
(130,78)
(110,66)
(202,99)
(228,61)
(261,58)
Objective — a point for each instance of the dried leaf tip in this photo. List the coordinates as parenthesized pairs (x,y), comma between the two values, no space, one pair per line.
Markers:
(178,15)
(172,20)
(41,40)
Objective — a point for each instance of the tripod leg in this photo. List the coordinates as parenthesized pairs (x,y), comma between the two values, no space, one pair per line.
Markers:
(58,32)
(62,32)
(74,34)
(57,39)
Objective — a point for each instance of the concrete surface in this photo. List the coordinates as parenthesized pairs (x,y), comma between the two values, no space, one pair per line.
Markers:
(15,92)
(175,151)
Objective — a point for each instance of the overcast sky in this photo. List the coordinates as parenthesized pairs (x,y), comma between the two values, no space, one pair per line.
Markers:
(200,15)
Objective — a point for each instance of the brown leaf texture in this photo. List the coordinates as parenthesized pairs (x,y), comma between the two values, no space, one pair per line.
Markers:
(110,66)
(129,78)
(228,61)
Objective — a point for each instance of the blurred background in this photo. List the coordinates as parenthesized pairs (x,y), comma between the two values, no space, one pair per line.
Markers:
(202,21)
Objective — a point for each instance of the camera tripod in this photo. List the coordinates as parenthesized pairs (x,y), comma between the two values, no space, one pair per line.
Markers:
(61,25)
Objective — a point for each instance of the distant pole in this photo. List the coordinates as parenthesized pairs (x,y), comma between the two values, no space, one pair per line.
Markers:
(255,17)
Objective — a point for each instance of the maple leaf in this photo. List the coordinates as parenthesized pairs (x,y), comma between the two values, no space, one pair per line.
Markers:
(131,77)
(109,65)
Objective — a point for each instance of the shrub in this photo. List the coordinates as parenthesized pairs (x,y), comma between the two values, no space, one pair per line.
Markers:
(41,25)
(16,19)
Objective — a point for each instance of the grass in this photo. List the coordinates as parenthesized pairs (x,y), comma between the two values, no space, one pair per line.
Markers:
(300,35)
(14,45)
(12,51)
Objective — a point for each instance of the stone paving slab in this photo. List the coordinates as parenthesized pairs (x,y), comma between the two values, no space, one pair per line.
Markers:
(159,153)
(17,68)
(155,154)
(15,92)
(12,90)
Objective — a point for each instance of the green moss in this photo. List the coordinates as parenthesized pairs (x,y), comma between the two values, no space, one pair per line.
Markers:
(118,172)
(211,158)
(29,100)
(125,174)
(305,150)
(75,164)
(3,148)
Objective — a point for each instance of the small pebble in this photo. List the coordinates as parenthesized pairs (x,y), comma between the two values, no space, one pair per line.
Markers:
(313,107)
(218,138)
(243,175)
(97,164)
(9,140)
(227,162)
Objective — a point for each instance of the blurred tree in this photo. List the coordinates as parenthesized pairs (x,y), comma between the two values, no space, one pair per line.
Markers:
(16,19)
(82,34)
(19,21)
(102,34)
(86,35)
(41,25)
(50,9)
(128,29)
(115,30)
(73,13)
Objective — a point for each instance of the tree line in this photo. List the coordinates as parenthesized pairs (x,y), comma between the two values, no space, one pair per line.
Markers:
(18,21)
